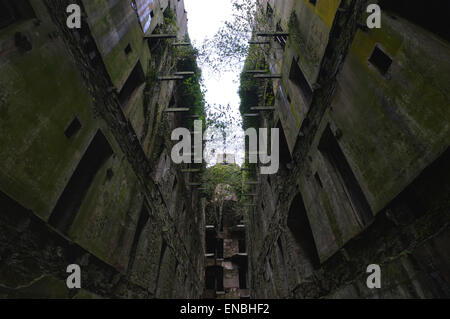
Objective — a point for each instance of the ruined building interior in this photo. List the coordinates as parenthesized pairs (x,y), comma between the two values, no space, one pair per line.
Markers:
(87,178)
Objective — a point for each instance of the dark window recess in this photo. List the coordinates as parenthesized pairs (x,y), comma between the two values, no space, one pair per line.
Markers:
(318,180)
(298,78)
(313,2)
(331,150)
(298,224)
(136,79)
(72,197)
(220,248)
(282,40)
(242,278)
(152,14)
(161,258)
(285,154)
(73,128)
(380,60)
(128,49)
(142,222)
(210,242)
(210,278)
(269,11)
(431,15)
(214,278)
(12,11)
(242,246)
(219,274)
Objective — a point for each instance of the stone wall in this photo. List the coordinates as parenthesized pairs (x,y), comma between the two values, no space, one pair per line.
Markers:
(85,178)
(363,180)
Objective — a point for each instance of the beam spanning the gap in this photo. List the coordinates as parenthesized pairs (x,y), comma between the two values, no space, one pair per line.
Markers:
(178,109)
(191,170)
(256,71)
(251,115)
(194,184)
(170,78)
(181,44)
(267,76)
(262,108)
(272,34)
(160,36)
(259,42)
(185,73)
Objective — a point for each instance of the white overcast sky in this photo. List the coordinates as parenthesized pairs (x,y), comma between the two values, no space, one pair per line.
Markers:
(205,17)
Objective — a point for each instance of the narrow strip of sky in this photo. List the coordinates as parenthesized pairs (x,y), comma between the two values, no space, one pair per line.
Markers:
(205,17)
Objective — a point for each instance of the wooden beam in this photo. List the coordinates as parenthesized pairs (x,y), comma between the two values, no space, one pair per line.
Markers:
(185,73)
(256,71)
(191,170)
(272,34)
(160,36)
(259,42)
(262,108)
(194,184)
(181,44)
(267,76)
(251,115)
(170,78)
(179,109)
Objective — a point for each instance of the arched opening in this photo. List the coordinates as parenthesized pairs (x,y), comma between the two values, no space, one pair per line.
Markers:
(300,230)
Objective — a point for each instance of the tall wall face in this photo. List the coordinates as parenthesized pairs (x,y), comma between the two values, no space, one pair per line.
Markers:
(85,171)
(364,121)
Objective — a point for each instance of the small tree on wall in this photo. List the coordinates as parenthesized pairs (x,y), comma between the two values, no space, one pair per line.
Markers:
(229,47)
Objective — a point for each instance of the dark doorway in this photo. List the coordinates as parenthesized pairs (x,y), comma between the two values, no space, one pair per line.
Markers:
(135,80)
(298,224)
(331,150)
(210,243)
(71,199)
(242,278)
(220,248)
(298,78)
(242,246)
(142,222)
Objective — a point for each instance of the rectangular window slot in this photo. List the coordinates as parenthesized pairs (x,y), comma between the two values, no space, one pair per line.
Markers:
(242,278)
(242,246)
(73,128)
(313,2)
(299,80)
(380,60)
(73,195)
(331,150)
(318,180)
(142,222)
(134,81)
(12,11)
(282,40)
(220,248)
(128,49)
